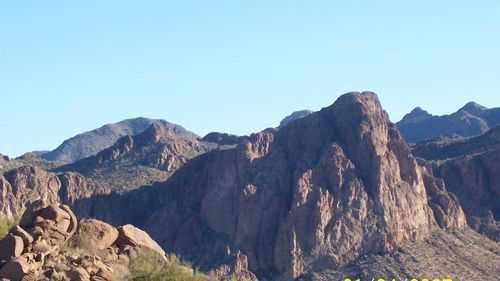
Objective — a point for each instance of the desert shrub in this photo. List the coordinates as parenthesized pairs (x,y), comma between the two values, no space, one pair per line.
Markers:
(7,224)
(147,267)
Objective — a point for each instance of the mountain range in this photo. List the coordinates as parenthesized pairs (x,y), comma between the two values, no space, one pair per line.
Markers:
(336,193)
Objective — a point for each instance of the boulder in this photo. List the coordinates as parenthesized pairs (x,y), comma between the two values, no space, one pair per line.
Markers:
(11,246)
(19,231)
(133,236)
(98,234)
(32,211)
(15,269)
(55,213)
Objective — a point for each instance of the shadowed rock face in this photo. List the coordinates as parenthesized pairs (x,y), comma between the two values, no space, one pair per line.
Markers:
(469,167)
(26,184)
(470,120)
(90,143)
(318,193)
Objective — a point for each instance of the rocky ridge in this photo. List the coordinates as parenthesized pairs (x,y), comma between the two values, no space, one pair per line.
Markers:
(133,161)
(90,143)
(470,120)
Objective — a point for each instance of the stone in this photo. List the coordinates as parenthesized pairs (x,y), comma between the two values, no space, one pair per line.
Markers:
(54,213)
(18,231)
(11,246)
(98,234)
(133,236)
(32,211)
(15,269)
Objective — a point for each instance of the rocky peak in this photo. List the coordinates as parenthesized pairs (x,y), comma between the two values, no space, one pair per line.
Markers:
(415,116)
(317,193)
(473,108)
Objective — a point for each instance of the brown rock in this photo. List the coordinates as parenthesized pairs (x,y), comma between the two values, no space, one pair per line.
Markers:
(15,269)
(97,234)
(55,213)
(11,247)
(32,212)
(18,231)
(78,274)
(133,236)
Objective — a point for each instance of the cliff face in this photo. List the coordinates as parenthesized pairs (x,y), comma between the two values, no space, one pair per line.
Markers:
(27,184)
(475,180)
(318,193)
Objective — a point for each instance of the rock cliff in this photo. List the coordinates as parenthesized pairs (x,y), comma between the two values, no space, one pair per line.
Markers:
(315,194)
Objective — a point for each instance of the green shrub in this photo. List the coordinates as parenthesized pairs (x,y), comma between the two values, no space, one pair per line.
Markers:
(147,267)
(6,225)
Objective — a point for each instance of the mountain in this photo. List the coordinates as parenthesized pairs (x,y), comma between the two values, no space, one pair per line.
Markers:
(133,161)
(90,143)
(470,168)
(294,116)
(317,194)
(470,120)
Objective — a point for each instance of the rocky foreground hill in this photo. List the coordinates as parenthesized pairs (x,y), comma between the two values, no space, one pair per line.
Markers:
(470,120)
(51,244)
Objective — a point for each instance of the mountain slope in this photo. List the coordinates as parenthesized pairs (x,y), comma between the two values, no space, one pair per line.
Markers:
(133,161)
(458,255)
(316,194)
(91,142)
(470,120)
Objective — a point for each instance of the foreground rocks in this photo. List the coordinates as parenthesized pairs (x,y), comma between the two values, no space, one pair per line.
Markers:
(50,244)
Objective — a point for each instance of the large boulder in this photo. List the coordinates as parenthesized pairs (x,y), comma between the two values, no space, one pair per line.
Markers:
(96,234)
(133,236)
(11,247)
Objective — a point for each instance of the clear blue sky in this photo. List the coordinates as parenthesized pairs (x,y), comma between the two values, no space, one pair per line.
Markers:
(234,66)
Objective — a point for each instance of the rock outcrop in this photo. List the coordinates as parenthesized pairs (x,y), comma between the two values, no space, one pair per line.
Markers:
(90,143)
(50,244)
(470,120)
(294,116)
(223,138)
(315,194)
(21,186)
(133,161)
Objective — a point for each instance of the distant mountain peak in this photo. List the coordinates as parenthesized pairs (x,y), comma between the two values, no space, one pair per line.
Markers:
(473,107)
(415,116)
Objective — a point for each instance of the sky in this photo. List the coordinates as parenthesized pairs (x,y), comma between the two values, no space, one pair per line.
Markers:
(234,66)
